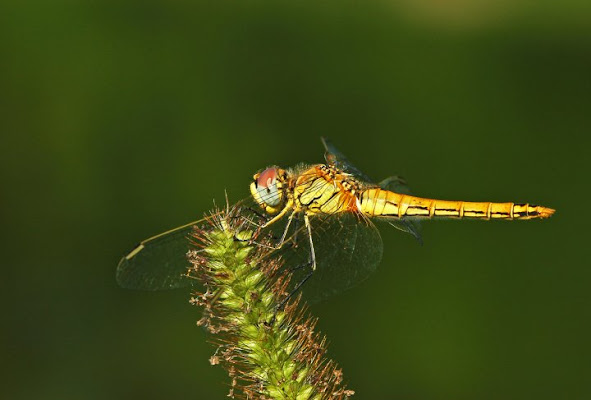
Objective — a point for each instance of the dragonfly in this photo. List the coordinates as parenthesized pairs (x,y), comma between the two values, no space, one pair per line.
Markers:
(338,245)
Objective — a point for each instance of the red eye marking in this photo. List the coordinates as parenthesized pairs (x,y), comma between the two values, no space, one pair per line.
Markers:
(267,177)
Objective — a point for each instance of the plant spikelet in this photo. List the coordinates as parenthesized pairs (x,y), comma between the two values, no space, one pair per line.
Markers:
(270,352)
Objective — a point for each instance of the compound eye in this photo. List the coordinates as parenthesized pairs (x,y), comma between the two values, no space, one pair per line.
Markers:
(267,187)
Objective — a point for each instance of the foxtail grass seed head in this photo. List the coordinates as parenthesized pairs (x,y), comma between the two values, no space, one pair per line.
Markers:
(269,352)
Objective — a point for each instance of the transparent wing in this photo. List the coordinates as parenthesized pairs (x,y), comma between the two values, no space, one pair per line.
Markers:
(408,225)
(394,184)
(158,263)
(348,249)
(334,157)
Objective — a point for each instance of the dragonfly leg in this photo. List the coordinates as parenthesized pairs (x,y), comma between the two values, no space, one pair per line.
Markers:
(296,224)
(311,263)
(292,242)
(294,291)
(284,235)
(312,252)
(282,240)
(277,217)
(273,220)
(260,215)
(301,266)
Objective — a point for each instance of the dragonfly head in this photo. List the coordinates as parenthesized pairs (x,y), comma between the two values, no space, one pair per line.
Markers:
(268,189)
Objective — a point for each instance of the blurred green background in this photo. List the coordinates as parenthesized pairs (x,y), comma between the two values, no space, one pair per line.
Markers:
(122,119)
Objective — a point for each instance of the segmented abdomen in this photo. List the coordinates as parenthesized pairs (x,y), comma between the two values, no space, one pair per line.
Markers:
(377,202)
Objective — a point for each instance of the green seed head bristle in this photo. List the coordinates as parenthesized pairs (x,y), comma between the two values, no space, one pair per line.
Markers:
(270,352)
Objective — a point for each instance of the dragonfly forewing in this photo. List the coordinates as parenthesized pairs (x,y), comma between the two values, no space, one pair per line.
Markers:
(158,263)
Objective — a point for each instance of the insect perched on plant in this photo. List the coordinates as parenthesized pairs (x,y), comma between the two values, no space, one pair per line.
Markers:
(337,203)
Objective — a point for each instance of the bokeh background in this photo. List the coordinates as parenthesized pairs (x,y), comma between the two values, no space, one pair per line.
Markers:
(122,119)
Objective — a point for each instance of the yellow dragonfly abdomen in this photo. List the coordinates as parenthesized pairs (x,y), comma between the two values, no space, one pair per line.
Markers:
(376,202)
